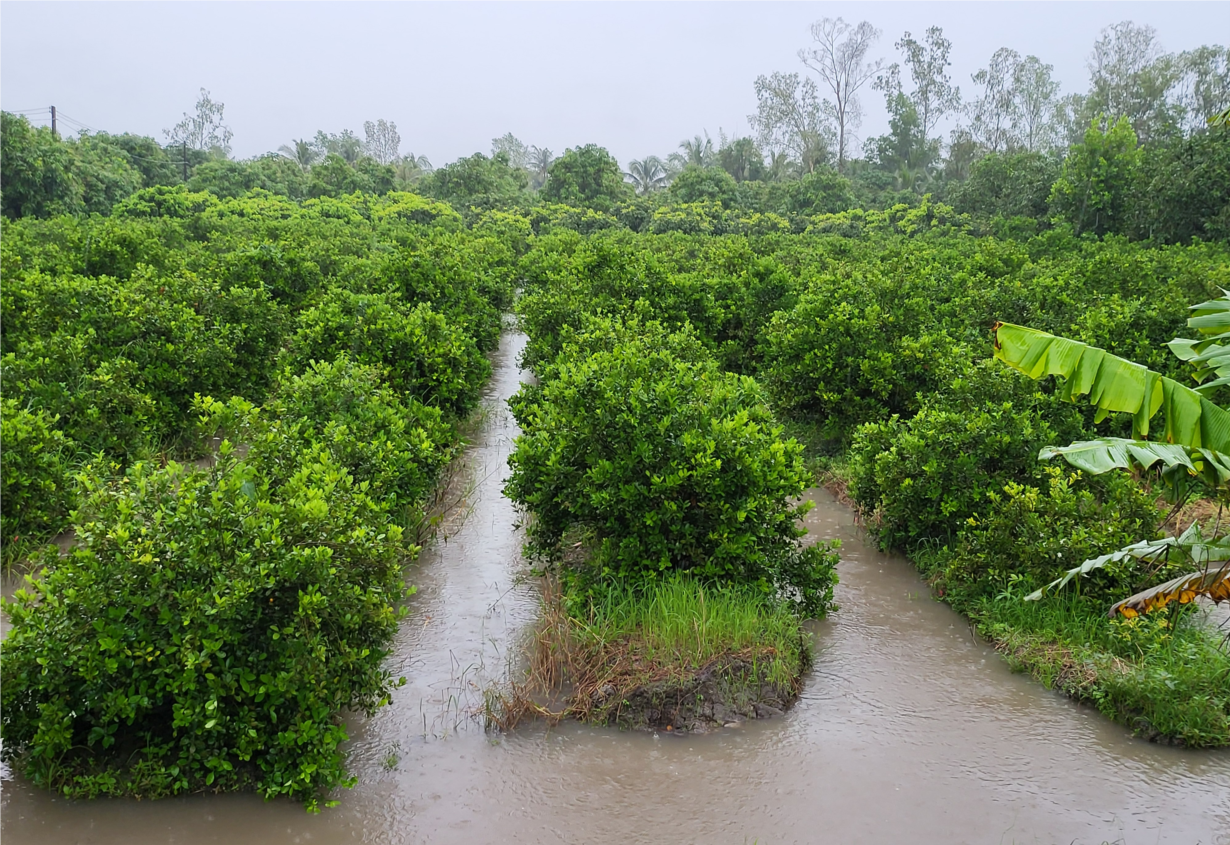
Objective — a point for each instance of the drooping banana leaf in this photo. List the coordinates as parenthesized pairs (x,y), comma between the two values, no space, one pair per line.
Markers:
(1116,384)
(1179,465)
(1191,544)
(1108,453)
(1213,582)
(1212,317)
(1209,357)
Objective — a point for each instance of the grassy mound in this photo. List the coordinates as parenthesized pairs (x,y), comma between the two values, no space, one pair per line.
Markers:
(673,655)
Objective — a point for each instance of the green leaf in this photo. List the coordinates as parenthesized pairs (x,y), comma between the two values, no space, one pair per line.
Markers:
(1114,384)
(1191,544)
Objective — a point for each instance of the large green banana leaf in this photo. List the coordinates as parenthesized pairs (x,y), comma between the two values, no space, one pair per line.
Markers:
(1116,384)
(1210,358)
(1191,544)
(1178,464)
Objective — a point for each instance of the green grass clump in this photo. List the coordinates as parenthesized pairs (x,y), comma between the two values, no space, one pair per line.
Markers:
(681,625)
(1163,674)
(665,646)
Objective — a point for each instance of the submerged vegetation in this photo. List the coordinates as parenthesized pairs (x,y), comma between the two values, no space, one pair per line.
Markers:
(239,384)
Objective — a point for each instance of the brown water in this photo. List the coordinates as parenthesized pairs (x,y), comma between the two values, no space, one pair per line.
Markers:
(907,731)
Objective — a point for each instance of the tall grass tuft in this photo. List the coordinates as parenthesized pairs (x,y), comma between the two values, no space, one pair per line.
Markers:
(663,631)
(684,624)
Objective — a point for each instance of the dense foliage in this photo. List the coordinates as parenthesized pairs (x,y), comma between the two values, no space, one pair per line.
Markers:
(229,621)
(33,471)
(324,311)
(211,624)
(667,465)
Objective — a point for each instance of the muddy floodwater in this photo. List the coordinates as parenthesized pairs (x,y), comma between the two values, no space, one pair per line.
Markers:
(907,731)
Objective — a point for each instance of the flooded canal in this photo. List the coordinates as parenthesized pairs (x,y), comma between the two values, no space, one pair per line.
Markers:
(907,731)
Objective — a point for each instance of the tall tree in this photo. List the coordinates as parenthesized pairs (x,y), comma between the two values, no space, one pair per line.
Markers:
(586,176)
(993,114)
(839,58)
(1094,190)
(345,144)
(934,95)
(1132,76)
(697,150)
(383,143)
(646,175)
(740,158)
(411,168)
(477,181)
(789,118)
(1204,85)
(539,160)
(517,152)
(905,150)
(203,129)
(1036,95)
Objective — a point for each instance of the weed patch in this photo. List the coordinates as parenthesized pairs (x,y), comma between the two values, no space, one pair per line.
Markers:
(672,655)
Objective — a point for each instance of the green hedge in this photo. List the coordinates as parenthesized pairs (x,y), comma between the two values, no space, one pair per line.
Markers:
(204,633)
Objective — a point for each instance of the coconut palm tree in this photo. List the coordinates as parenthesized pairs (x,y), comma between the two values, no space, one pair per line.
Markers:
(301,152)
(410,168)
(741,159)
(540,159)
(781,168)
(698,150)
(647,175)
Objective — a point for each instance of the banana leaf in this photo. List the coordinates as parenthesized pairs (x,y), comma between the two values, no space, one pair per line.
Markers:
(1116,384)
(1212,317)
(1211,582)
(1191,544)
(1207,356)
(1178,464)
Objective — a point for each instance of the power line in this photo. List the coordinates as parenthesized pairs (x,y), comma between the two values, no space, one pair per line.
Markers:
(75,122)
(79,125)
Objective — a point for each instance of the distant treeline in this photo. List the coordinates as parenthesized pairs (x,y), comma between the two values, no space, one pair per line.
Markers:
(1138,154)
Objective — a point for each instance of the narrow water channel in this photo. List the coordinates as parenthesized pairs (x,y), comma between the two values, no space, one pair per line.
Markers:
(908,731)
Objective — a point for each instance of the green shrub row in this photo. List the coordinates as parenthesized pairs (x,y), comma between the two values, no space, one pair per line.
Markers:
(880,345)
(214,622)
(110,327)
(637,442)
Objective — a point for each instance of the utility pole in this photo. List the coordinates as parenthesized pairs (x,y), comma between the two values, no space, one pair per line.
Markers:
(54,133)
(183,154)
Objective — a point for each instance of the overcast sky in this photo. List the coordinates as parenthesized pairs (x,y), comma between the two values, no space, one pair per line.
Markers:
(634,77)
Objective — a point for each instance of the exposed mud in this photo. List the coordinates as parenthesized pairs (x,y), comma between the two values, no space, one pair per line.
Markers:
(723,694)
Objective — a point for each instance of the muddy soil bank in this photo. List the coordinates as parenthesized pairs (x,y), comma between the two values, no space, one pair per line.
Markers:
(723,694)
(906,730)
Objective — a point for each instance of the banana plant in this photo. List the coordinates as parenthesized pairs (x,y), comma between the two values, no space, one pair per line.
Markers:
(1190,449)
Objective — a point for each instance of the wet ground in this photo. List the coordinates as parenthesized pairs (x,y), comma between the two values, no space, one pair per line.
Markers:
(908,730)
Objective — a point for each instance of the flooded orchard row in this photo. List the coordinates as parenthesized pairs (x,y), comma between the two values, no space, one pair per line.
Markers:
(908,730)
